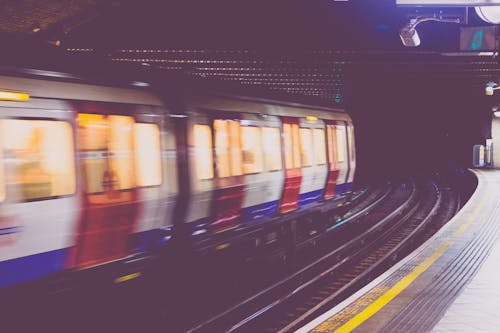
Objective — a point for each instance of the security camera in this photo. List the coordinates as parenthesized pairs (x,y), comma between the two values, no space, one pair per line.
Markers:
(489,91)
(490,88)
(409,37)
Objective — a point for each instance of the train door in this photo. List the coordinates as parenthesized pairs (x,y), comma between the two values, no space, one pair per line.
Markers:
(201,175)
(262,165)
(352,156)
(333,165)
(38,205)
(342,156)
(313,159)
(110,204)
(155,156)
(293,171)
(230,179)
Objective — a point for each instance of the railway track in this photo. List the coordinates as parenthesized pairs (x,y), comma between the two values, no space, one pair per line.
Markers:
(350,233)
(383,227)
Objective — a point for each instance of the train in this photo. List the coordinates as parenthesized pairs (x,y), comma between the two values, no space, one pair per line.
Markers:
(99,177)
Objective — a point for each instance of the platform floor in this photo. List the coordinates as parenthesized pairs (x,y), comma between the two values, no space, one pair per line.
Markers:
(449,284)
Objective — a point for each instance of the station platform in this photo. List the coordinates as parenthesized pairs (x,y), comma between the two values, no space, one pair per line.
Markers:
(451,283)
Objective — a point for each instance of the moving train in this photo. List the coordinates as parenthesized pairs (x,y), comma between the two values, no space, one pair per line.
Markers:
(96,176)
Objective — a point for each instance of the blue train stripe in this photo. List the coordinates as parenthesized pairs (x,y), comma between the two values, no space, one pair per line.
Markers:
(150,239)
(309,197)
(249,214)
(32,267)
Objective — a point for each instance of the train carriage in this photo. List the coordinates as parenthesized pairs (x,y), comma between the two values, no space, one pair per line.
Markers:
(77,187)
(94,176)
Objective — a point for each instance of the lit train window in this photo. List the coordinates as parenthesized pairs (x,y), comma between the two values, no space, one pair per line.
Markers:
(147,154)
(228,156)
(292,146)
(342,142)
(272,148)
(2,179)
(38,159)
(319,146)
(251,141)
(306,147)
(106,145)
(203,151)
(331,133)
(121,149)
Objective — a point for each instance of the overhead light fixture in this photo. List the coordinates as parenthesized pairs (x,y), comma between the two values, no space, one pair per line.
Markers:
(490,14)
(409,35)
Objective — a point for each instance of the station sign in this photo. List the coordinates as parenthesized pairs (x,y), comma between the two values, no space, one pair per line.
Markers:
(478,38)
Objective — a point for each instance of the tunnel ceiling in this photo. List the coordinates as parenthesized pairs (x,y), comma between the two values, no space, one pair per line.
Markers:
(313,48)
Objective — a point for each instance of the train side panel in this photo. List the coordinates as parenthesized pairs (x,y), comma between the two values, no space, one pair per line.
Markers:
(201,170)
(40,203)
(313,156)
(352,156)
(262,164)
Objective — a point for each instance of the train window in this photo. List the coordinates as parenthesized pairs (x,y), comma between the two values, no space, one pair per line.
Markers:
(331,133)
(147,154)
(341,140)
(2,179)
(292,146)
(228,157)
(38,157)
(306,147)
(106,145)
(272,148)
(121,151)
(203,151)
(319,146)
(251,140)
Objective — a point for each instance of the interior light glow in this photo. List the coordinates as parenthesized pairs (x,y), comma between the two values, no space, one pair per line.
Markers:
(311,118)
(13,96)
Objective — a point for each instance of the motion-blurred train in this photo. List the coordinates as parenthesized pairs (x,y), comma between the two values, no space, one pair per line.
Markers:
(94,176)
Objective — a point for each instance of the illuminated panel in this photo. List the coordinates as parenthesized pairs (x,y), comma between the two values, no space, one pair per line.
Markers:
(147,154)
(2,179)
(292,146)
(332,146)
(478,38)
(203,151)
(121,151)
(342,143)
(13,96)
(228,148)
(252,149)
(319,146)
(41,159)
(92,138)
(448,2)
(272,148)
(108,154)
(306,148)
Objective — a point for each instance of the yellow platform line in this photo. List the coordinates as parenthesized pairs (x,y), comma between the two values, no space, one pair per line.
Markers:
(380,302)
(391,293)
